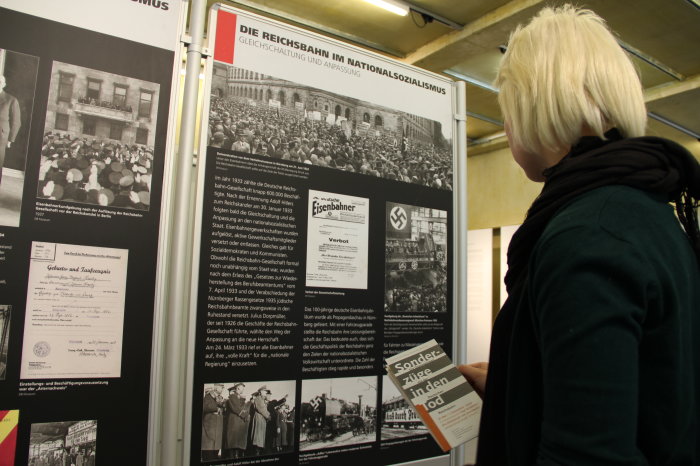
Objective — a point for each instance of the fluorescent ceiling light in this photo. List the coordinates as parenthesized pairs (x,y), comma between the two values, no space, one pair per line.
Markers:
(391,5)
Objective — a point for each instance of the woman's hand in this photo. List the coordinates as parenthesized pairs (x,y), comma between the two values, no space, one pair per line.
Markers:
(476,376)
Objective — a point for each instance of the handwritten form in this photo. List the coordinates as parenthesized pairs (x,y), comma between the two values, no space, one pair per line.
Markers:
(75,312)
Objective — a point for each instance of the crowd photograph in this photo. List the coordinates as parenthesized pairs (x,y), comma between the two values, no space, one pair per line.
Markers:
(99,137)
(410,293)
(416,260)
(92,171)
(301,133)
(247,419)
(72,443)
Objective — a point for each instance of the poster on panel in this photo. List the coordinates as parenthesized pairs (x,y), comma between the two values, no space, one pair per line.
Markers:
(324,242)
(85,95)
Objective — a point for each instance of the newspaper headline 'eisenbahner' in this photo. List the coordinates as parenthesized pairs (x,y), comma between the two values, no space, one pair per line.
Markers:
(330,205)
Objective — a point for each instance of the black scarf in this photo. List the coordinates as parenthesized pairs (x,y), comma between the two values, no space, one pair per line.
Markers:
(648,163)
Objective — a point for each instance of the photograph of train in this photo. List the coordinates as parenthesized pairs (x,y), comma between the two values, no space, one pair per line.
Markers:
(338,412)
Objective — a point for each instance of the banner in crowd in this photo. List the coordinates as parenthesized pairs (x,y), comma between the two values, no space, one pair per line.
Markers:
(86,90)
(324,245)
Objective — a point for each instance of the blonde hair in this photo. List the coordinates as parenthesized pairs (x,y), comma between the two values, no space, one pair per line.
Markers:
(564,72)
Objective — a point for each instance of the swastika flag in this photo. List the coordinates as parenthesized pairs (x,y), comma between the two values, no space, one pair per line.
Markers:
(398,221)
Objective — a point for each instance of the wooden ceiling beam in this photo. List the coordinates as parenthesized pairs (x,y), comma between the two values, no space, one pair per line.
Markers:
(665,90)
(498,140)
(455,37)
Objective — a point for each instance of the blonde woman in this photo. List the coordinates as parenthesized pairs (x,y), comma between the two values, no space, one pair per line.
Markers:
(595,356)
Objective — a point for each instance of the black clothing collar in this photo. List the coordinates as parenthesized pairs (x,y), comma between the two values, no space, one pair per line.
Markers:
(648,163)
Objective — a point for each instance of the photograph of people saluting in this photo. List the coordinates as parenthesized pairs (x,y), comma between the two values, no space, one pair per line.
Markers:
(254,419)
(595,355)
(212,421)
(260,417)
(265,424)
(237,419)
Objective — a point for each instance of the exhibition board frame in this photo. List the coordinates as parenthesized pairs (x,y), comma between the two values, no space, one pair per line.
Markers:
(80,33)
(457,122)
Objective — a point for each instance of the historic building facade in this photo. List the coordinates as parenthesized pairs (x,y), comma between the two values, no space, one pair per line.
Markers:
(238,83)
(88,103)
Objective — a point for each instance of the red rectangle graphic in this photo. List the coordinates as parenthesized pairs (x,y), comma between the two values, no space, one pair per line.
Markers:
(225,37)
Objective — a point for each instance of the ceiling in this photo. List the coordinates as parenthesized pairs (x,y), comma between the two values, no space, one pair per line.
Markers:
(661,36)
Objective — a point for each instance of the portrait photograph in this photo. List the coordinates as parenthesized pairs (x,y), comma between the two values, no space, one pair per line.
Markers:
(18,73)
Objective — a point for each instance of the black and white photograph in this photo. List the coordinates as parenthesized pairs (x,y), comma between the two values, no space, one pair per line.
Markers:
(18,73)
(70,442)
(415,259)
(399,419)
(338,412)
(98,138)
(260,114)
(248,419)
(5,314)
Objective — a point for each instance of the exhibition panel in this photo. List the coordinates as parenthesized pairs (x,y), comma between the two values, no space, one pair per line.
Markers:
(323,244)
(85,120)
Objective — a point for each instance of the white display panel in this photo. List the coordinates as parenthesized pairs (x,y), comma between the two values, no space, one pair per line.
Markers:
(479,294)
(149,22)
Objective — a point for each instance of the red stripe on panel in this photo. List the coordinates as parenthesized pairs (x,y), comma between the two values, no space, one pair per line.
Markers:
(225,37)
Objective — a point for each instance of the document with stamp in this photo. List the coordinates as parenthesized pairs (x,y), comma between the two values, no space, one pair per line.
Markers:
(75,312)
(337,241)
